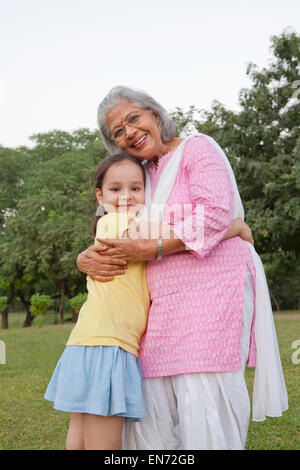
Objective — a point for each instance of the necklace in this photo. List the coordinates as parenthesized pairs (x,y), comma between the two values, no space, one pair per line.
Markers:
(155,162)
(156,159)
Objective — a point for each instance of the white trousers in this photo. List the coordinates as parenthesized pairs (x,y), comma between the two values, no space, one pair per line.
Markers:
(198,411)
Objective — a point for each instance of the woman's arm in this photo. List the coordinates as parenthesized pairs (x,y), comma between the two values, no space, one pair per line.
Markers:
(141,249)
(140,243)
(102,263)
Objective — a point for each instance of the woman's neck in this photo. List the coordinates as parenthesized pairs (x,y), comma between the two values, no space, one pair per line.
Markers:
(167,148)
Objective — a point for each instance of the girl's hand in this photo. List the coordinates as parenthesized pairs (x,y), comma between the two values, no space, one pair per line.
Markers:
(239,228)
(245,233)
(99,265)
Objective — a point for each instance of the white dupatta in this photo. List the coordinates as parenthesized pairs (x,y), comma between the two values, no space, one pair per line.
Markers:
(269,391)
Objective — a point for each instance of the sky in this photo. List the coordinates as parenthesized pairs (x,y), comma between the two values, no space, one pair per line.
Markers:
(59,58)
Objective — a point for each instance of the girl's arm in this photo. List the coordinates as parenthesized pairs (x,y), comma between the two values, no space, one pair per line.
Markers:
(239,228)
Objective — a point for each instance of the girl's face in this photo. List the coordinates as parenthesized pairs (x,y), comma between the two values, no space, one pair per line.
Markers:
(123,188)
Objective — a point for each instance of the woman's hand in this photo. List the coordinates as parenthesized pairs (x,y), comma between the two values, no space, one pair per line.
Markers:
(130,250)
(135,245)
(99,265)
(139,242)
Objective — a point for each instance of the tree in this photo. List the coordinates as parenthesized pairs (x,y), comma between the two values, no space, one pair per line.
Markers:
(76,304)
(40,303)
(14,170)
(3,304)
(51,221)
(262,141)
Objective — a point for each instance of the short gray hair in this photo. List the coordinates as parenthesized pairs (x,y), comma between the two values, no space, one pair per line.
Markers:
(140,99)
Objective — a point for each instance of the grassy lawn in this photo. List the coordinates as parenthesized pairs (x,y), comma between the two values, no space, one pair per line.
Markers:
(27,421)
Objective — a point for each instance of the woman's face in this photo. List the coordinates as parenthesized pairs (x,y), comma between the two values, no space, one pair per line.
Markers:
(141,140)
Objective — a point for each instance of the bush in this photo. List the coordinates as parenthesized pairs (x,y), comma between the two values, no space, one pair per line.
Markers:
(40,304)
(77,302)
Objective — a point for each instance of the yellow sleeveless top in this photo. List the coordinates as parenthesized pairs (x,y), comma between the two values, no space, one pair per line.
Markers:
(115,313)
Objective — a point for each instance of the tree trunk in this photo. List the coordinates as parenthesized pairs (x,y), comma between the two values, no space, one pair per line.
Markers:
(74,316)
(62,302)
(5,319)
(29,317)
(276,302)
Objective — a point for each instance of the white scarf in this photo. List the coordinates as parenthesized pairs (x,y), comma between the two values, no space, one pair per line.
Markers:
(269,390)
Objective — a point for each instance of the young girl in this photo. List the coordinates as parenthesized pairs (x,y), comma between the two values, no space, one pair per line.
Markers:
(98,377)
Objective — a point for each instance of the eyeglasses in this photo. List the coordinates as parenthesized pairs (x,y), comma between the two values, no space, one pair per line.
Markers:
(133,120)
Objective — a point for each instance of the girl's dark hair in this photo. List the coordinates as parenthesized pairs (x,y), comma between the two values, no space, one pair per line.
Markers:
(101,172)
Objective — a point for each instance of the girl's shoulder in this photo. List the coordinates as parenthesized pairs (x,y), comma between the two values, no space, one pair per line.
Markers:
(112,225)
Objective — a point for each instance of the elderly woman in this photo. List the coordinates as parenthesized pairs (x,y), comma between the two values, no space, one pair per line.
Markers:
(203,287)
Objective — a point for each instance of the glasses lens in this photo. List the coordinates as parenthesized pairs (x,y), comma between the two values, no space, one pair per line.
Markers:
(132,120)
(118,134)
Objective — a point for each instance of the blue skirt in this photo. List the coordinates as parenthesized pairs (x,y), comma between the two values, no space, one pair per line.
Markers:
(101,380)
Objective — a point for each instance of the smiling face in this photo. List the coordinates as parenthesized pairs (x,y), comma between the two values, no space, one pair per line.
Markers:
(142,137)
(122,188)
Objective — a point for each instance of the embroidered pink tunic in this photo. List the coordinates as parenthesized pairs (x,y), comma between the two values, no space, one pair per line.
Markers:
(195,319)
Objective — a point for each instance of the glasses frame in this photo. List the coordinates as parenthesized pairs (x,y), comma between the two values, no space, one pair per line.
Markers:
(124,123)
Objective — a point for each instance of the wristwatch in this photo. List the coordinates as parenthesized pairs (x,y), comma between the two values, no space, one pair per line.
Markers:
(159,248)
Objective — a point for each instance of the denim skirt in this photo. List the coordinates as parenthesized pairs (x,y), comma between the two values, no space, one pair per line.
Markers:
(101,380)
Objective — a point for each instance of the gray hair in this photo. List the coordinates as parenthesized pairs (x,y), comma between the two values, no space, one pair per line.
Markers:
(140,99)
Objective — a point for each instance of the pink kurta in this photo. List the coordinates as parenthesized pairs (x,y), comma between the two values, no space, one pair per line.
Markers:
(195,319)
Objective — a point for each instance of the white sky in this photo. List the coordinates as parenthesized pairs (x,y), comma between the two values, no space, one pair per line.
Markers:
(58,58)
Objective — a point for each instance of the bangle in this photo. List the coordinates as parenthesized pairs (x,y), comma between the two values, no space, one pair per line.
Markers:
(159,248)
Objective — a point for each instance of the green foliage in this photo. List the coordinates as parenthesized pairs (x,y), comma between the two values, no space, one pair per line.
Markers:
(32,355)
(3,303)
(47,201)
(40,303)
(262,141)
(47,213)
(78,301)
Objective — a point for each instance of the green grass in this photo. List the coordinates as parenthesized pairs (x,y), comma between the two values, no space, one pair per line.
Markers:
(16,319)
(27,421)
(281,433)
